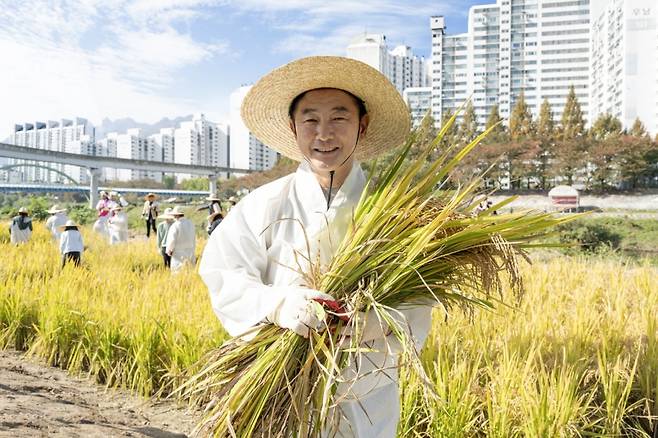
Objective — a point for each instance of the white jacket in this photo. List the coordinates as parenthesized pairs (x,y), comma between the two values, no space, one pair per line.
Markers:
(249,264)
(71,241)
(117,226)
(181,242)
(54,222)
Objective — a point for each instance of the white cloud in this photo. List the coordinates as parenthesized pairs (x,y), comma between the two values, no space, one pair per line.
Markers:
(51,69)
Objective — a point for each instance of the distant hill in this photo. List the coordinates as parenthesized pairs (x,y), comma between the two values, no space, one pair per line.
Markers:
(121,125)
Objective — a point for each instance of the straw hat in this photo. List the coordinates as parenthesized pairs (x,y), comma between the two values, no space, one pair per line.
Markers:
(265,108)
(55,209)
(104,193)
(232,199)
(22,210)
(166,214)
(213,197)
(151,195)
(69,223)
(177,211)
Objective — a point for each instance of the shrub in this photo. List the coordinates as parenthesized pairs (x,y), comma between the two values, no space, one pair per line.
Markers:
(589,237)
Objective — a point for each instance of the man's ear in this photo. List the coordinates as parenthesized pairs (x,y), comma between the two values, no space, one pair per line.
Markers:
(363,124)
(293,128)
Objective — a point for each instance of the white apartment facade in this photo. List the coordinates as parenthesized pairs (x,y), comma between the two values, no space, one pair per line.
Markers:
(53,136)
(246,151)
(538,46)
(132,146)
(400,65)
(624,63)
(161,147)
(419,101)
(201,142)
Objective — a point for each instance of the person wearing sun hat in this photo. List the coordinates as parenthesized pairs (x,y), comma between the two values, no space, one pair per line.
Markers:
(181,240)
(20,229)
(70,243)
(329,113)
(161,236)
(103,208)
(150,212)
(57,219)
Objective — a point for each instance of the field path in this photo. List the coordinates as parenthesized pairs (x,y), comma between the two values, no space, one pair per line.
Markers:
(40,401)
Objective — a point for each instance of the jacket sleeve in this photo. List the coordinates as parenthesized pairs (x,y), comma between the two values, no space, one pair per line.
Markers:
(63,238)
(233,265)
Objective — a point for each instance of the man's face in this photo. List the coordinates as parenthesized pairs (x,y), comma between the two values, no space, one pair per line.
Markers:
(327,127)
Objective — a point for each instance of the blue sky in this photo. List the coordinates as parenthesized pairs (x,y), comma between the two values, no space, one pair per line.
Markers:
(148,59)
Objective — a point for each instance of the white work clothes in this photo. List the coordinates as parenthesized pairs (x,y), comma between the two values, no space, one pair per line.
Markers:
(250,262)
(118,227)
(16,235)
(54,222)
(181,243)
(71,241)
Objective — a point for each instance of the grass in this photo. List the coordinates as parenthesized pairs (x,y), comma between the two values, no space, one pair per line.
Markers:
(579,357)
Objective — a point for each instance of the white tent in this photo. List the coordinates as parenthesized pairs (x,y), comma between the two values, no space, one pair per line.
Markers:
(564,197)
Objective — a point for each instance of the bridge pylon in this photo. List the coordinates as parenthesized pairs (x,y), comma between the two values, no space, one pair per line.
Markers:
(94,177)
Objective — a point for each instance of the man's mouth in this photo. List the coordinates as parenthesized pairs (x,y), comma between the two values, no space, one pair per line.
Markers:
(325,150)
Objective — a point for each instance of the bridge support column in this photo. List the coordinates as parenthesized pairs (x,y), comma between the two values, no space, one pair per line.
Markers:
(94,177)
(212,184)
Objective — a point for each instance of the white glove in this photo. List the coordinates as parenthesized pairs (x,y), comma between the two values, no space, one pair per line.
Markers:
(298,312)
(370,327)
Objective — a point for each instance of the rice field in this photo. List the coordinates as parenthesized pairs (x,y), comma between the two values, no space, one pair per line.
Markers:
(578,357)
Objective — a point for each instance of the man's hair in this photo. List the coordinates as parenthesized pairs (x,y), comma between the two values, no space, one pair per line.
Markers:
(359,103)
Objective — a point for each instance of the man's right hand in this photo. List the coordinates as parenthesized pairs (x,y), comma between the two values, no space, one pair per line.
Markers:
(299,312)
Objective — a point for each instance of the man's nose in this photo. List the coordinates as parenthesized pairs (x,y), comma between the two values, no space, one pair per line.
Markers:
(325,131)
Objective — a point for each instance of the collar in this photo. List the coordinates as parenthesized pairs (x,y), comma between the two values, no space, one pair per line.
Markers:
(310,192)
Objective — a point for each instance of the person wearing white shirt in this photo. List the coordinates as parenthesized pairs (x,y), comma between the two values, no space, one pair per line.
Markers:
(117,225)
(181,240)
(57,219)
(328,113)
(70,243)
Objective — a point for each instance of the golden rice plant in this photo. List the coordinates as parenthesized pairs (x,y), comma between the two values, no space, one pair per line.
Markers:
(411,241)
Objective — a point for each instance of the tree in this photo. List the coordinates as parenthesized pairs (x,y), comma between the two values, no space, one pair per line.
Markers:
(169,181)
(572,123)
(545,144)
(498,133)
(468,130)
(606,125)
(571,149)
(638,130)
(520,122)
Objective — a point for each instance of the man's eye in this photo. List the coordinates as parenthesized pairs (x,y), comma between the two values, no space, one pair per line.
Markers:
(310,121)
(340,118)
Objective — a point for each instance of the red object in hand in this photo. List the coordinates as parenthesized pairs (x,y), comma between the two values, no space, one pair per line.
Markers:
(335,307)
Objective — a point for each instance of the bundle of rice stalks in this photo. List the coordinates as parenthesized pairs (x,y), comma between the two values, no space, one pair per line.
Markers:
(412,241)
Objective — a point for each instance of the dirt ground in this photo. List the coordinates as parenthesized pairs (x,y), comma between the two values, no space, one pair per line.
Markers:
(40,401)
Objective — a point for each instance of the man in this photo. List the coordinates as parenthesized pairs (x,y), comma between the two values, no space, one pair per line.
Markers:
(328,113)
(57,219)
(150,213)
(70,243)
(20,229)
(181,240)
(213,220)
(161,236)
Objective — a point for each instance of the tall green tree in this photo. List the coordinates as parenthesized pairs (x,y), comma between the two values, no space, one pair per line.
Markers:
(573,122)
(545,146)
(498,133)
(520,122)
(571,148)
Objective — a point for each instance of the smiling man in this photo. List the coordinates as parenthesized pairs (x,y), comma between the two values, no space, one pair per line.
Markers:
(329,113)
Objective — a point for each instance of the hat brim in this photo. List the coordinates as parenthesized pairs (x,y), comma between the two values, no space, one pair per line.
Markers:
(265,107)
(166,216)
(55,211)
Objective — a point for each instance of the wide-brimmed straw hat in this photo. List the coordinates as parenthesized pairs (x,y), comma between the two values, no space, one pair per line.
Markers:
(265,108)
(213,197)
(177,211)
(151,195)
(69,223)
(166,214)
(55,209)
(23,210)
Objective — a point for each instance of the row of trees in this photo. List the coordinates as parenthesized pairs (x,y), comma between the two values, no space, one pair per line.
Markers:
(539,154)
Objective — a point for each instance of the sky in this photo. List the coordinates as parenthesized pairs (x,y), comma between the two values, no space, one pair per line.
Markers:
(149,59)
